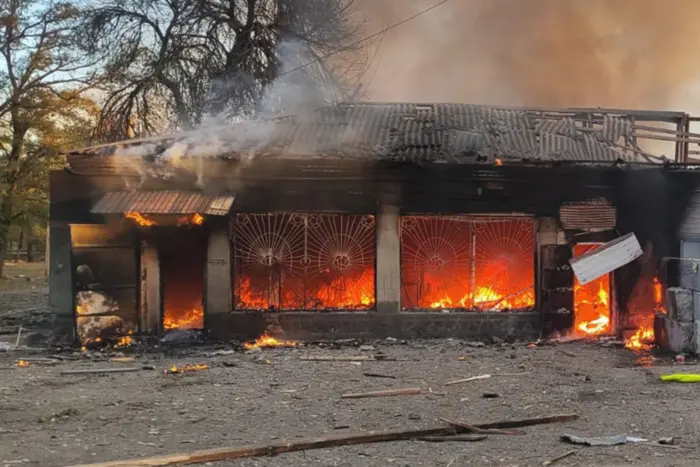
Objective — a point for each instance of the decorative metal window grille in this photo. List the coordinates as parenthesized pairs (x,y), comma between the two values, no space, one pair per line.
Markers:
(460,262)
(295,261)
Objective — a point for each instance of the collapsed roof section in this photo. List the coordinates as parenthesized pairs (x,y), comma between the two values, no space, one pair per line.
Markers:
(417,133)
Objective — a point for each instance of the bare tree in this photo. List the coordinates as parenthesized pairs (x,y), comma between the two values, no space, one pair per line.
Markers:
(42,77)
(179,60)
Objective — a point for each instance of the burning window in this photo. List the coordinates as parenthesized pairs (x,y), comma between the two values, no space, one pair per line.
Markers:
(591,301)
(304,262)
(183,255)
(459,262)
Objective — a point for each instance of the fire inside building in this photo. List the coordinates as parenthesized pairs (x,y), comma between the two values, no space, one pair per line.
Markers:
(375,220)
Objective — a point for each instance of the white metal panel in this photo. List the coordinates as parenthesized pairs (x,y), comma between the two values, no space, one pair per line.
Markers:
(606,258)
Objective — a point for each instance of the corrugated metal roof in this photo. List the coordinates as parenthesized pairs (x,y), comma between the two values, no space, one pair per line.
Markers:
(163,202)
(597,214)
(448,133)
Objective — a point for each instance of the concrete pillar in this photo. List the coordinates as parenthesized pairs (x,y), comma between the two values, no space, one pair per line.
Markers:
(61,282)
(388,260)
(218,290)
(150,289)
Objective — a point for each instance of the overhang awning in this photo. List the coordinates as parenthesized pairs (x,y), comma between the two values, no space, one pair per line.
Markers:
(163,203)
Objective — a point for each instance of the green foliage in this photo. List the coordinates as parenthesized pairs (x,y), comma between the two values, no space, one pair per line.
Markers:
(44,107)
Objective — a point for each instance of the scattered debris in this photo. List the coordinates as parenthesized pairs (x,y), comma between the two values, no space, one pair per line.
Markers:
(98,371)
(384,393)
(221,353)
(463,438)
(681,378)
(378,375)
(482,431)
(19,336)
(221,454)
(122,359)
(602,440)
(187,368)
(26,361)
(558,458)
(348,358)
(466,380)
(475,344)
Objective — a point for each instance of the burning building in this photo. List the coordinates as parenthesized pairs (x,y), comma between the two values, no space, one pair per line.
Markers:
(360,220)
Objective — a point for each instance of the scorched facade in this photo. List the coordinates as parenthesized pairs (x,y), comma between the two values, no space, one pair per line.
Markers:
(361,220)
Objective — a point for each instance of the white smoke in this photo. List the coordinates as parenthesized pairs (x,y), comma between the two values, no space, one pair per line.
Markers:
(297,92)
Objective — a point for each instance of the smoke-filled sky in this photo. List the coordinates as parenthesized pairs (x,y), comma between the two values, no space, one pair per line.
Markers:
(558,53)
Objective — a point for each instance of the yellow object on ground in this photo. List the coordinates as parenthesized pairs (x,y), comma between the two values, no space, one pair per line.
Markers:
(681,378)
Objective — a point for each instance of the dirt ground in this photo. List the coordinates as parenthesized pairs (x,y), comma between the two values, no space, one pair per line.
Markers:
(272,395)
(50,419)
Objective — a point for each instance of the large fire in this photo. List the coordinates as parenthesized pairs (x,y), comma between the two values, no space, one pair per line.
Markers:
(486,299)
(643,338)
(267,341)
(140,219)
(187,319)
(317,292)
(591,302)
(145,221)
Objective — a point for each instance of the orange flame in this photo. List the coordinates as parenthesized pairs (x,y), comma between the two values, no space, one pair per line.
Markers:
(644,337)
(124,341)
(641,340)
(23,363)
(267,341)
(194,219)
(346,292)
(486,298)
(187,368)
(140,219)
(591,302)
(190,319)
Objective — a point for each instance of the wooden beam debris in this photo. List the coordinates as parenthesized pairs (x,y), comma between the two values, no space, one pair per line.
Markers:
(463,438)
(482,431)
(384,393)
(222,454)
(348,358)
(558,458)
(97,371)
(466,380)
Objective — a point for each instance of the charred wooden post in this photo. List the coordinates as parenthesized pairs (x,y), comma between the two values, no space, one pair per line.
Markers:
(217,288)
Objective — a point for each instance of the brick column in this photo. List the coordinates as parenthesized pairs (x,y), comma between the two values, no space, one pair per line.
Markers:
(61,282)
(218,287)
(388,260)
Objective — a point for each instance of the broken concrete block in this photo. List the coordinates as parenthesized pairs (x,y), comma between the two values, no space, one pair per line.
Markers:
(680,304)
(680,336)
(689,273)
(696,338)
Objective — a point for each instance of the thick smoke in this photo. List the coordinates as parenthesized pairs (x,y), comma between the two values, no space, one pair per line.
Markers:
(553,53)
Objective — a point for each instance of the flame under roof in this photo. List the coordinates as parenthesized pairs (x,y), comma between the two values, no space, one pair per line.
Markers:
(418,133)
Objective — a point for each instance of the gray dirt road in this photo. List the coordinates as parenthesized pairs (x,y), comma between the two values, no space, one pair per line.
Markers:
(49,419)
